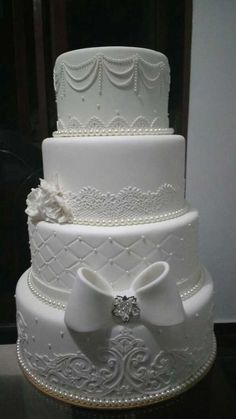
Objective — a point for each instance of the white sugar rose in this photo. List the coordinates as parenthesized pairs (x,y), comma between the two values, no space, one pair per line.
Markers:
(46,203)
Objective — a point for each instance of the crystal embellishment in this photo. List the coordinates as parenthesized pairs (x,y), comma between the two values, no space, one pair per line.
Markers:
(125,307)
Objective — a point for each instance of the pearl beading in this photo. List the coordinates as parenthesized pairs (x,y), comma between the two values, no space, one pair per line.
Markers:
(111,209)
(130,221)
(62,306)
(121,72)
(49,301)
(189,293)
(112,132)
(103,403)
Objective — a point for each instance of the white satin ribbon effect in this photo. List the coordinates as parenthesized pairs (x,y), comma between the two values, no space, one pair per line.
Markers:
(153,296)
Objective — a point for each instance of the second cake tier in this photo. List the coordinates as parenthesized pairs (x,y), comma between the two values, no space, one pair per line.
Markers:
(108,180)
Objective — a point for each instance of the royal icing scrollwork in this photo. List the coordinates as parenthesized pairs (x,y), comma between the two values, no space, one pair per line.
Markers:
(125,369)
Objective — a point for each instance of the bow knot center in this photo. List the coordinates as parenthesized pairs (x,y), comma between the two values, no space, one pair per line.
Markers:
(124,308)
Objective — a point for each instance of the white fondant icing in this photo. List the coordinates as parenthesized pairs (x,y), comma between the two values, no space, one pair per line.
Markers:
(153,295)
(158,296)
(117,126)
(93,168)
(133,80)
(119,254)
(59,297)
(114,173)
(128,402)
(50,203)
(90,303)
(130,356)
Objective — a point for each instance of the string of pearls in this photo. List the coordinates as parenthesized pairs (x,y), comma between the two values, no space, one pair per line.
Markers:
(189,293)
(130,221)
(61,306)
(124,403)
(45,299)
(112,131)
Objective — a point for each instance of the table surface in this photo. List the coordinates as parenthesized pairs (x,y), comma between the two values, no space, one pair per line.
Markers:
(212,398)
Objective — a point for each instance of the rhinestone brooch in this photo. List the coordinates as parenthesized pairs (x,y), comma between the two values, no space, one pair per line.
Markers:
(125,307)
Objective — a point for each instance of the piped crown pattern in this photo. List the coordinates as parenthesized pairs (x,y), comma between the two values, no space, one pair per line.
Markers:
(112,91)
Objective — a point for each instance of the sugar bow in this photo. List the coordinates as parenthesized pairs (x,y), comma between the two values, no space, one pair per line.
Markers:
(153,296)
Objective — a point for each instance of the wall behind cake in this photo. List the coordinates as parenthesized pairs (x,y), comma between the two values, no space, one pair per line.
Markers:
(211,156)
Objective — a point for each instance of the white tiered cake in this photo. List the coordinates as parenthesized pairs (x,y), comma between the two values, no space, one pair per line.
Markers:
(115,311)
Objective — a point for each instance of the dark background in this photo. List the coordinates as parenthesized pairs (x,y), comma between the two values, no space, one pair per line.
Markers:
(34,33)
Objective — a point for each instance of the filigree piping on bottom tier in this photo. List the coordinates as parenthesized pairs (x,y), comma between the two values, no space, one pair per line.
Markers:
(130,205)
(119,403)
(125,366)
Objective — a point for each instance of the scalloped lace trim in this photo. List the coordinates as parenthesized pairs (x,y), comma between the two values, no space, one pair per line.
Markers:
(117,126)
(90,206)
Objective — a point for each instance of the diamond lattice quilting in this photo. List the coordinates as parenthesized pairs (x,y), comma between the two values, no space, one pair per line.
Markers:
(119,260)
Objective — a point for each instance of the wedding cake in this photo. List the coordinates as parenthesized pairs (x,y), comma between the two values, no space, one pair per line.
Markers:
(115,311)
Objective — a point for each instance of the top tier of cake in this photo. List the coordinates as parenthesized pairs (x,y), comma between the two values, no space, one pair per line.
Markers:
(112,91)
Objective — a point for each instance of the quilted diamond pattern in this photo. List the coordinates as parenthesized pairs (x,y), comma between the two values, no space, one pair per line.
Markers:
(56,259)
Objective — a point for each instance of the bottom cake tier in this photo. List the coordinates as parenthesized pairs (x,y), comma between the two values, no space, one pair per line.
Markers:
(122,366)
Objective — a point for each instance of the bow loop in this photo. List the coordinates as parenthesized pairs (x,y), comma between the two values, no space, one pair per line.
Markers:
(153,296)
(90,302)
(158,296)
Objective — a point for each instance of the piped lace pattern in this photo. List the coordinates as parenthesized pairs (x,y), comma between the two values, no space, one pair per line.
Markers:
(117,126)
(90,206)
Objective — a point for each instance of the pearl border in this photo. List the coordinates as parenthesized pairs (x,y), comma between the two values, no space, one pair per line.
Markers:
(112,132)
(62,306)
(49,301)
(189,293)
(103,403)
(131,221)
